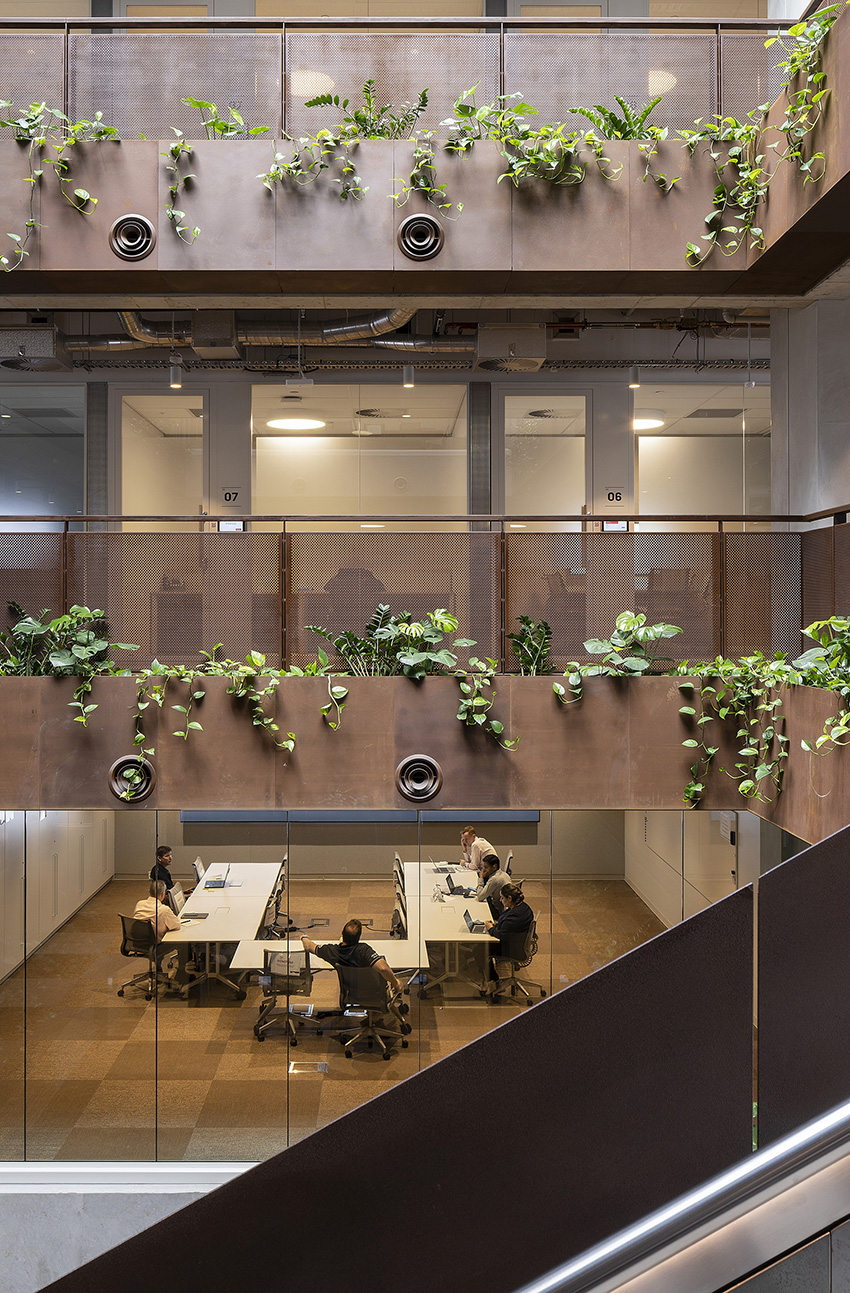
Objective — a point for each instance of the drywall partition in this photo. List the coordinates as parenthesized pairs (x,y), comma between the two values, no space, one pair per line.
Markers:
(614,1096)
(803,973)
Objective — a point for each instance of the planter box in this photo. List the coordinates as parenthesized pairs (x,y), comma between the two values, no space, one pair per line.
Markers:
(618,748)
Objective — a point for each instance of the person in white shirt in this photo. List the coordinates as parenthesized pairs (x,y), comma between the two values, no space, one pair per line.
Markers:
(474,848)
(154,909)
(492,882)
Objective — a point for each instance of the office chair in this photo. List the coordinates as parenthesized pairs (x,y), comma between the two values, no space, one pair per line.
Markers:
(529,951)
(362,990)
(287,974)
(139,939)
(175,898)
(509,860)
(398,921)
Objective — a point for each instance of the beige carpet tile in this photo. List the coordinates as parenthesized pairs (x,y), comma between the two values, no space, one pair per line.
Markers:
(125,1141)
(179,1102)
(244,1104)
(59,1060)
(12,1105)
(132,1100)
(53,1104)
(242,1145)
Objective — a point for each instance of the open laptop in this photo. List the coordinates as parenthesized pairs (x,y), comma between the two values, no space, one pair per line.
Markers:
(217,881)
(457,890)
(199,869)
(474,926)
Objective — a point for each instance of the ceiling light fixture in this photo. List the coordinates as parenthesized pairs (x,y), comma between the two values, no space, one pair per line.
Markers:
(175,379)
(634,378)
(294,421)
(648,419)
(407,375)
(660,82)
(307,84)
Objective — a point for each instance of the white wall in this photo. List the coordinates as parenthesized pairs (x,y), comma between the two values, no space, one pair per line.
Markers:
(653,861)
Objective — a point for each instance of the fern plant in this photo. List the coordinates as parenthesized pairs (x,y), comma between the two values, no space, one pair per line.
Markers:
(369,121)
(531,645)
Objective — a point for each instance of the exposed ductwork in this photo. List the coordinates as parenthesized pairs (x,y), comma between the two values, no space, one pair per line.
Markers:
(143,335)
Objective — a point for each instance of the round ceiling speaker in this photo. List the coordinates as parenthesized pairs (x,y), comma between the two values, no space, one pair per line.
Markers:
(132,237)
(132,778)
(418,777)
(420,237)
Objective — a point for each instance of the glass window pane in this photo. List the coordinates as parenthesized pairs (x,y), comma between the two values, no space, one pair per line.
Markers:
(11,986)
(702,449)
(359,450)
(162,459)
(42,456)
(544,456)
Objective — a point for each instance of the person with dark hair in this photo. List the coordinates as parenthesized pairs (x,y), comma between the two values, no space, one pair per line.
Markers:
(350,951)
(474,848)
(511,929)
(161,868)
(492,881)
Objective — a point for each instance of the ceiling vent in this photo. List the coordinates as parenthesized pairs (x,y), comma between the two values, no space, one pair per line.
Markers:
(510,349)
(214,335)
(33,350)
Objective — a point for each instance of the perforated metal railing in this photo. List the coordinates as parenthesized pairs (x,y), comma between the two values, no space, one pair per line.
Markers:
(137,77)
(174,588)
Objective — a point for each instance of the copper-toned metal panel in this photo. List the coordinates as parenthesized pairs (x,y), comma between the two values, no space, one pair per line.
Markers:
(316,231)
(176,594)
(123,178)
(401,63)
(139,79)
(762,597)
(841,550)
(20,724)
(559,70)
(473,181)
(30,573)
(817,558)
(680,213)
(337,580)
(561,228)
(227,241)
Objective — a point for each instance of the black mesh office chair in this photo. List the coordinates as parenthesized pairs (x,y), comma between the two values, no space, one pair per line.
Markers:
(362,990)
(139,939)
(287,973)
(510,983)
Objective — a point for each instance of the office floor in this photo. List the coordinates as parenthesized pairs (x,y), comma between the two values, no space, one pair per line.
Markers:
(122,1078)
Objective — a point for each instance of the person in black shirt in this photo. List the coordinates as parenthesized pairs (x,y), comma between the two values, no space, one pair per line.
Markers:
(161,868)
(511,929)
(350,951)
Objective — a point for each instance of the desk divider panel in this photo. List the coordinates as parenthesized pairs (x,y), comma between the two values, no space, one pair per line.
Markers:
(803,976)
(580,1115)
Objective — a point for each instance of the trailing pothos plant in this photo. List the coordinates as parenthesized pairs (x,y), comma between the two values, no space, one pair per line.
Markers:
(50,136)
(745,159)
(476,702)
(630,652)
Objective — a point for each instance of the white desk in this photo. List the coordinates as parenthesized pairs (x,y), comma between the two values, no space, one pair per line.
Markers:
(398,953)
(443,922)
(234,913)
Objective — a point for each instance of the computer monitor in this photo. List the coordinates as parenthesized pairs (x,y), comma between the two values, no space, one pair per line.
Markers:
(199,869)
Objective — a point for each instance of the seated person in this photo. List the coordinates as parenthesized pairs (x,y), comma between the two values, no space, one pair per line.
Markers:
(161,868)
(153,908)
(492,881)
(510,929)
(350,951)
(474,848)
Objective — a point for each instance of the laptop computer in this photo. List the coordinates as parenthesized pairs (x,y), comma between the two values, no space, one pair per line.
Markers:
(474,926)
(457,890)
(199,869)
(218,881)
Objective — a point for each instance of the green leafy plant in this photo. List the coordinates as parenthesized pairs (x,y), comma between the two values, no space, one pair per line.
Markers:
(631,650)
(62,646)
(739,149)
(217,127)
(423,178)
(397,644)
(368,121)
(531,645)
(476,702)
(336,704)
(750,693)
(312,155)
(631,124)
(48,131)
(827,665)
(175,155)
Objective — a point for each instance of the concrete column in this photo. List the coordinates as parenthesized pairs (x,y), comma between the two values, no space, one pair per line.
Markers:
(230,448)
(613,451)
(811,408)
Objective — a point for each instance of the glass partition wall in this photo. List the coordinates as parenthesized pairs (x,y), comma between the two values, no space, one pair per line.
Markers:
(95,1065)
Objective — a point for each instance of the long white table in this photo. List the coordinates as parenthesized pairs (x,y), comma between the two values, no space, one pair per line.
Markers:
(443,922)
(234,914)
